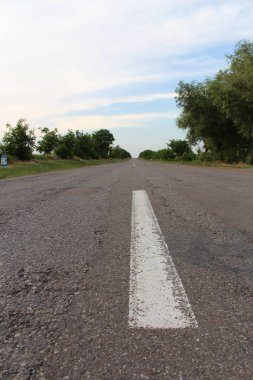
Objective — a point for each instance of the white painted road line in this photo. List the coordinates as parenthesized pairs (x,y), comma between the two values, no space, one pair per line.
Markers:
(157,297)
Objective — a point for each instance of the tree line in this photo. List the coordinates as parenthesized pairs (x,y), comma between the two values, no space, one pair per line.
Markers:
(177,150)
(19,142)
(217,114)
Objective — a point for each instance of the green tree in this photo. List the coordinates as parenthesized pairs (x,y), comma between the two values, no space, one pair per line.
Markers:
(165,154)
(205,121)
(66,146)
(147,154)
(49,141)
(103,140)
(118,152)
(236,86)
(2,149)
(219,111)
(232,91)
(179,147)
(19,141)
(85,146)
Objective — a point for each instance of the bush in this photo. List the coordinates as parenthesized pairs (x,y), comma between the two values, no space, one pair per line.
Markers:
(118,152)
(164,154)
(48,142)
(66,146)
(169,154)
(147,154)
(44,157)
(103,140)
(188,156)
(208,156)
(179,147)
(249,159)
(19,141)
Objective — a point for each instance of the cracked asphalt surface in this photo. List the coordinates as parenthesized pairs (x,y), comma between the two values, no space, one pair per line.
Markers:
(64,273)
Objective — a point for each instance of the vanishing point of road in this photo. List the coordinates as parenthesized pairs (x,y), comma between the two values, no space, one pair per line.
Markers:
(135,270)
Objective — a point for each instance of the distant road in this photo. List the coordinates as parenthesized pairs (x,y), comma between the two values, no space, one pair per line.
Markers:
(136,270)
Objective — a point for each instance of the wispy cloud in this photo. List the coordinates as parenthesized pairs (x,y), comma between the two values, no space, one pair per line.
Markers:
(114,121)
(89,104)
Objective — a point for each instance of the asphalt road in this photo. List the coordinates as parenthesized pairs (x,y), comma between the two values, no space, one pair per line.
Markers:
(64,273)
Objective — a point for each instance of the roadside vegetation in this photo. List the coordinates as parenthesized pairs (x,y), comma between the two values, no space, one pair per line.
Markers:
(47,164)
(56,152)
(217,115)
(180,151)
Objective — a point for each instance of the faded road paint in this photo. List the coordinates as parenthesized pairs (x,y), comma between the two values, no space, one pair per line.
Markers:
(157,296)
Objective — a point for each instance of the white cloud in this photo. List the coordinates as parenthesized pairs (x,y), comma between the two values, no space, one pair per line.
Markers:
(116,121)
(105,102)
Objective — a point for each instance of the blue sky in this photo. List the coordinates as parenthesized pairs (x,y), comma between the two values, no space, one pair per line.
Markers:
(112,63)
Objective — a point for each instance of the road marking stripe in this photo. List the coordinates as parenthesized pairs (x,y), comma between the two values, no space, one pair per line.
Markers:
(157,296)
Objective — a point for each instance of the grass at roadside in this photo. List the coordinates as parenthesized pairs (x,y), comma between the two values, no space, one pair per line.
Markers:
(17,169)
(216,164)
